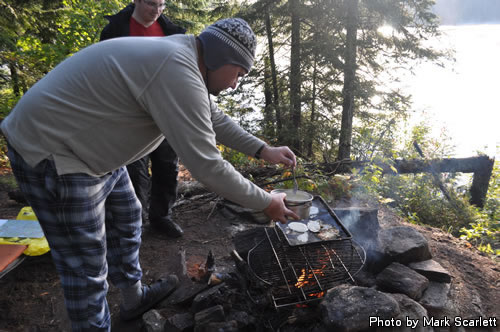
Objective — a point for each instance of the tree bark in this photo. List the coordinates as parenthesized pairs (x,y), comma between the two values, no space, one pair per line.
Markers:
(274,77)
(268,123)
(349,80)
(295,77)
(312,121)
(14,79)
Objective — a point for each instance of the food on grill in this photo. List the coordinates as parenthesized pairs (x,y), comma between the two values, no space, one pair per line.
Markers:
(304,237)
(313,211)
(297,227)
(329,234)
(325,226)
(314,225)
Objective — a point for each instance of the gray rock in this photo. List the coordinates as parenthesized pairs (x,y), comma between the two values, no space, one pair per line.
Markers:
(411,313)
(242,318)
(365,278)
(184,294)
(209,315)
(432,270)
(436,296)
(153,321)
(229,326)
(208,298)
(397,278)
(401,244)
(180,322)
(349,308)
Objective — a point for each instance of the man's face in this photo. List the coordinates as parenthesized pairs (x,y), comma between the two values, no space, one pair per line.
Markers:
(225,77)
(149,10)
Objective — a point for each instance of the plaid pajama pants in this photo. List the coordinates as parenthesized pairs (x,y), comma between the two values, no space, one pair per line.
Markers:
(93,227)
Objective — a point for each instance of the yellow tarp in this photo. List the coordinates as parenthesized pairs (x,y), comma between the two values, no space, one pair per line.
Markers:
(36,247)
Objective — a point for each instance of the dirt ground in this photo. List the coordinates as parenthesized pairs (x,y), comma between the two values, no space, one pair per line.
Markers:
(31,297)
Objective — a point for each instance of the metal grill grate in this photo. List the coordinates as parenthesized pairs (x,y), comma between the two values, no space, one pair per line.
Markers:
(300,274)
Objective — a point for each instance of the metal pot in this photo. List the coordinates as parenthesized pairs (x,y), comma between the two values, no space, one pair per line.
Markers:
(299,202)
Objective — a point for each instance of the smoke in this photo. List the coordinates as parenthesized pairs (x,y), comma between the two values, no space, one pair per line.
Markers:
(363,225)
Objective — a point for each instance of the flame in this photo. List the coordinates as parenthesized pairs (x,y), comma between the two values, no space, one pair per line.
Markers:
(318,295)
(308,277)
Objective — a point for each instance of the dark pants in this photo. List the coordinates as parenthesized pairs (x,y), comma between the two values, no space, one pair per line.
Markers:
(159,190)
(93,227)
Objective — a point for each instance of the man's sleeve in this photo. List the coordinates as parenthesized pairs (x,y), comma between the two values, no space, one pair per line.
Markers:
(181,110)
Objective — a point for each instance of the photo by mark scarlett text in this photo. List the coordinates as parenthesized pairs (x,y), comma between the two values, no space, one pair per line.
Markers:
(434,322)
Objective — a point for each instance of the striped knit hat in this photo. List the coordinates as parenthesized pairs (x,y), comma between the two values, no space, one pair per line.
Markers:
(228,41)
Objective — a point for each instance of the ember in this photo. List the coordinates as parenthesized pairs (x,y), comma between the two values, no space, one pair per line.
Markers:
(309,277)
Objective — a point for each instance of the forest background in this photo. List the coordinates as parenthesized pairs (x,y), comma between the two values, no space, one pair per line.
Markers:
(324,83)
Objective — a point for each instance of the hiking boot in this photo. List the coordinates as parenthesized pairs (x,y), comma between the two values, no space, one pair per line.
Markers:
(166,226)
(151,295)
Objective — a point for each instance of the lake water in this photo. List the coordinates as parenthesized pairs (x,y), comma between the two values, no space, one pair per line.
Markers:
(464,97)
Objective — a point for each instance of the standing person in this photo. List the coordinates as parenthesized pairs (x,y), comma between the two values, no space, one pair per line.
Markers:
(109,104)
(157,193)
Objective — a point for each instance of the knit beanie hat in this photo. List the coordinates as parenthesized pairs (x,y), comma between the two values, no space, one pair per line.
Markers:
(228,41)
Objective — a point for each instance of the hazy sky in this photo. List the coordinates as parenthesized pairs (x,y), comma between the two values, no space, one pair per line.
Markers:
(463,98)
(456,12)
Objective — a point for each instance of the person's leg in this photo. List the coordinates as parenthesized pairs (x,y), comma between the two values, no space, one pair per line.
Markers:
(164,169)
(72,212)
(70,209)
(139,175)
(123,234)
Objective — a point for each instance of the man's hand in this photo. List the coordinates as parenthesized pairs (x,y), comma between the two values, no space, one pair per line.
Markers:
(280,154)
(277,210)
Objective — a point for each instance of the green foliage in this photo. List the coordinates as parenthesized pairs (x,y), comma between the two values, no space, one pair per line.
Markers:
(337,187)
(194,15)
(303,178)
(4,161)
(237,158)
(484,231)
(7,101)
(37,35)
(419,199)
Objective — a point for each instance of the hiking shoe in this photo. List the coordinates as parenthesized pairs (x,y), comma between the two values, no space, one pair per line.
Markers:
(166,226)
(151,295)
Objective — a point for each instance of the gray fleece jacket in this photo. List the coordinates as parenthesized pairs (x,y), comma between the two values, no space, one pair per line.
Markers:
(115,101)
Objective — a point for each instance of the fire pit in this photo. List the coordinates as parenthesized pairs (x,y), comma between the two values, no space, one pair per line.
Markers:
(298,273)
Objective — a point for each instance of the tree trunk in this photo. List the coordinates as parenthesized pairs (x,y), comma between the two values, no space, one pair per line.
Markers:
(274,78)
(14,79)
(349,80)
(311,136)
(295,77)
(268,122)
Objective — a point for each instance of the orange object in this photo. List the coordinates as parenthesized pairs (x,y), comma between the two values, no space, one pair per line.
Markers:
(9,253)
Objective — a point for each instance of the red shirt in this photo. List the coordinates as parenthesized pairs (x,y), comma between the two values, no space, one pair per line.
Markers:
(137,29)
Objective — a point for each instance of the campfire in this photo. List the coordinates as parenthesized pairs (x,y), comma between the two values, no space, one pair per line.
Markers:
(277,274)
(285,279)
(297,273)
